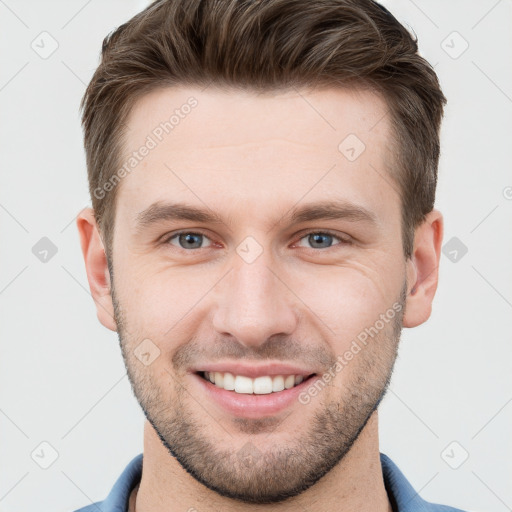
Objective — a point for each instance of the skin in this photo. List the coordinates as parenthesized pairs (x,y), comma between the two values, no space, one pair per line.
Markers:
(251,158)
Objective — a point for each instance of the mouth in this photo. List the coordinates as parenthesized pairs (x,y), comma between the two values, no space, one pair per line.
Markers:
(261,385)
(243,390)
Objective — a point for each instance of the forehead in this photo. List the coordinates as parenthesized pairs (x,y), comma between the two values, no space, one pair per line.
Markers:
(324,115)
(264,148)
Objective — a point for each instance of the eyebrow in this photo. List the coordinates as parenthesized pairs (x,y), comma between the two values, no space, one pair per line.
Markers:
(330,210)
(335,210)
(159,212)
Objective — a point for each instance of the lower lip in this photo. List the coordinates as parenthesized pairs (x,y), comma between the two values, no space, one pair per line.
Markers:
(251,405)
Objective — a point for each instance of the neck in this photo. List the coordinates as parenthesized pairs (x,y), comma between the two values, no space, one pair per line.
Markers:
(355,484)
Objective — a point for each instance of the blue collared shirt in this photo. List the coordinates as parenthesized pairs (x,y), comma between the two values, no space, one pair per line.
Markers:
(401,494)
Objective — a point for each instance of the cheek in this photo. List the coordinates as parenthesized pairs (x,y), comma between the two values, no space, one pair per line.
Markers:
(347,299)
(159,300)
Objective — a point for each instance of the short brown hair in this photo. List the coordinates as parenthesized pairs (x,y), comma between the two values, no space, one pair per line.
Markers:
(267,45)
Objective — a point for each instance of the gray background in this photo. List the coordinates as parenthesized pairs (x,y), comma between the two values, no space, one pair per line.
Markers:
(62,379)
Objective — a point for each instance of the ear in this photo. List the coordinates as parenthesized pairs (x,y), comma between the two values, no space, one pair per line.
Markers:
(422,270)
(96,267)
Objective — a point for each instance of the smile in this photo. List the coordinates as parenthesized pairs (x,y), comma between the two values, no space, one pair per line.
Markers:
(262,385)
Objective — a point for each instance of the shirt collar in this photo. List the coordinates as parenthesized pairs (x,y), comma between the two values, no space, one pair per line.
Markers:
(402,496)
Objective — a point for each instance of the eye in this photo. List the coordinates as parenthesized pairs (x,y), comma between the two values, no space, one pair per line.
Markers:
(194,240)
(187,240)
(323,239)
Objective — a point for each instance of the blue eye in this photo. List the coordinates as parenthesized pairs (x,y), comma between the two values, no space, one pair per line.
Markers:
(188,240)
(318,239)
(193,240)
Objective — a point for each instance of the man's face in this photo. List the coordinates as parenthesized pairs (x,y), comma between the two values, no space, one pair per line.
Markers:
(260,293)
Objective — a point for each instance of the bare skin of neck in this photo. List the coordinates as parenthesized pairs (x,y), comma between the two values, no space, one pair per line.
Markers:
(355,484)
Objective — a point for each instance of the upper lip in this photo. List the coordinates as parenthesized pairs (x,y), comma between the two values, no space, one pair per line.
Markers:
(254,370)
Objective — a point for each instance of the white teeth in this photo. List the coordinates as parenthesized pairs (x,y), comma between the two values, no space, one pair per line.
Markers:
(219,379)
(243,384)
(278,383)
(262,385)
(229,381)
(289,382)
(258,386)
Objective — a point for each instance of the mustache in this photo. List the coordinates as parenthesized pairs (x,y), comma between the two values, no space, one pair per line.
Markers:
(278,348)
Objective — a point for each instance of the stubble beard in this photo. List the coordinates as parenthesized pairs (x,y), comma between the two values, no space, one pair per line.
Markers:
(254,474)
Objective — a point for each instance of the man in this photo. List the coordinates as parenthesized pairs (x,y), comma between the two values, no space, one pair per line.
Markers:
(263,177)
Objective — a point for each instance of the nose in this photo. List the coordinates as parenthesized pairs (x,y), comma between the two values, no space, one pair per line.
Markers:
(254,303)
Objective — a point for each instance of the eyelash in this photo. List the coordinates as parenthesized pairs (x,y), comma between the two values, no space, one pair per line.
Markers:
(343,241)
